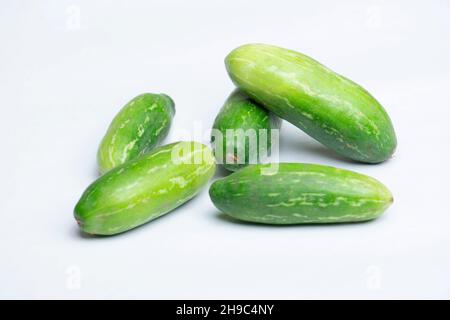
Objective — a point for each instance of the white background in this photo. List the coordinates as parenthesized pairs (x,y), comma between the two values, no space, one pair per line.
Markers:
(67,67)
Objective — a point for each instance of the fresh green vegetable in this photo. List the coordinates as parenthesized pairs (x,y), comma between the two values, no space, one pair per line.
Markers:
(330,108)
(242,132)
(300,193)
(145,188)
(139,127)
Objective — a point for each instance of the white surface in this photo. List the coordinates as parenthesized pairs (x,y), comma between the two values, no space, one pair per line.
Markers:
(62,79)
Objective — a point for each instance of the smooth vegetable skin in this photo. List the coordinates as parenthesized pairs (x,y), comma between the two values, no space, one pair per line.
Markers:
(330,108)
(298,194)
(138,128)
(245,132)
(144,188)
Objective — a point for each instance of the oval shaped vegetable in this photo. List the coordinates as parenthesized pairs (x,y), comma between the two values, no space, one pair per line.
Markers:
(145,188)
(300,193)
(242,132)
(139,127)
(330,108)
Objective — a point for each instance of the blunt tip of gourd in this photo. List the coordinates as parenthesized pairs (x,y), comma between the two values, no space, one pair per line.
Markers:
(170,100)
(388,198)
(79,222)
(213,190)
(78,214)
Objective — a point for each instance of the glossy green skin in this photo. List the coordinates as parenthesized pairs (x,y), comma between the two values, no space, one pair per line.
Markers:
(139,127)
(143,189)
(240,112)
(300,194)
(330,108)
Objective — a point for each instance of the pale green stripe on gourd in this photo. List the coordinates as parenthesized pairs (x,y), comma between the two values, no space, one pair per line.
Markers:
(329,107)
(298,193)
(145,188)
(140,126)
(246,119)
